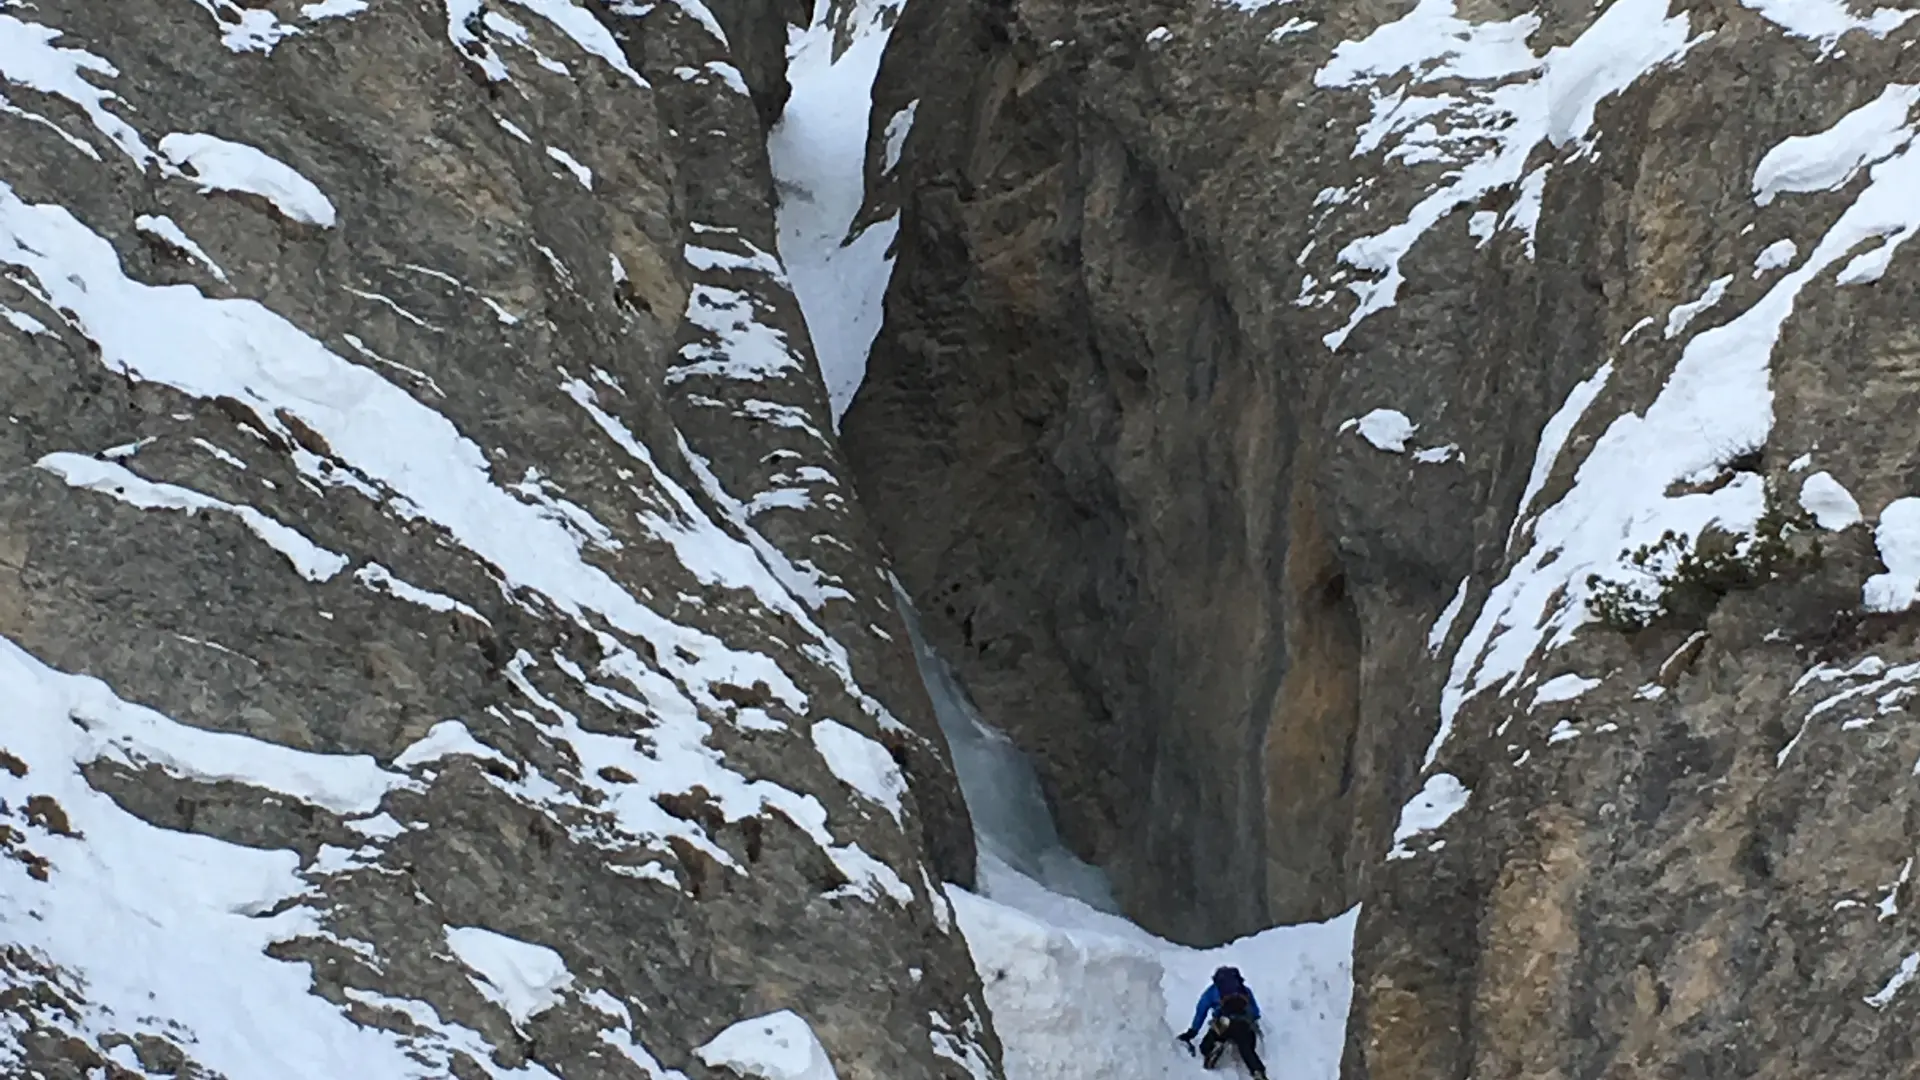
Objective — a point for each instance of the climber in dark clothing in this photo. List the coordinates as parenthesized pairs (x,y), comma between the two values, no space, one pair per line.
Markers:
(1234,1010)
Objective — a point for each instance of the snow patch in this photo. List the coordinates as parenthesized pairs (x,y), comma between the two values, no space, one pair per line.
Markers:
(1289,28)
(1908,970)
(522,978)
(164,229)
(332,9)
(861,763)
(310,560)
(777,1046)
(221,165)
(1889,904)
(380,579)
(464,17)
(1492,102)
(1553,438)
(898,127)
(1831,505)
(1716,405)
(818,152)
(192,915)
(247,29)
(580,172)
(1442,797)
(740,346)
(1682,314)
(1826,21)
(448,738)
(1830,159)
(1562,688)
(29,58)
(1386,429)
(1898,538)
(1442,626)
(24,322)
(587,32)
(1075,992)
(1775,256)
(240,349)
(1884,690)
(754,261)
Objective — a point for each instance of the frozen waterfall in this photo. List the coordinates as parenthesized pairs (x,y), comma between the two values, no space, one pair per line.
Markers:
(1011,820)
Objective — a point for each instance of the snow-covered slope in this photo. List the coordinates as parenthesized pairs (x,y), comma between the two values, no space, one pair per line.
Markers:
(1078,994)
(840,267)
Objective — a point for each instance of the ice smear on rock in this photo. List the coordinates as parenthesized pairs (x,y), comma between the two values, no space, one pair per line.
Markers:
(1010,814)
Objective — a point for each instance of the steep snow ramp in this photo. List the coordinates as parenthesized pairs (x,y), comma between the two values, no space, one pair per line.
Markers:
(819,152)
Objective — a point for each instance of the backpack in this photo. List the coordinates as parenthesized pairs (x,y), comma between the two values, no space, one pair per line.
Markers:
(1234,999)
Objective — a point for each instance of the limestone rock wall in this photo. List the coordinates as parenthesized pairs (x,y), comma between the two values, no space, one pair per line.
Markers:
(1264,387)
(425,568)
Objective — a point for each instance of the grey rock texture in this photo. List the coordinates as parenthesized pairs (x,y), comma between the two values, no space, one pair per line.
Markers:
(1129,551)
(590,509)
(1107,442)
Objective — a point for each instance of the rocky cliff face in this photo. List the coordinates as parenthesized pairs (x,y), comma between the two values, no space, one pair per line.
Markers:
(1452,459)
(1280,412)
(438,637)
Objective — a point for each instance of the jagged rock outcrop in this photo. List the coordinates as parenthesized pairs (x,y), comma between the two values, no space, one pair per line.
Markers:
(1272,399)
(425,564)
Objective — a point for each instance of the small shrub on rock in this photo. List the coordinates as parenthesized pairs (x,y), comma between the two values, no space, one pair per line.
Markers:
(1681,581)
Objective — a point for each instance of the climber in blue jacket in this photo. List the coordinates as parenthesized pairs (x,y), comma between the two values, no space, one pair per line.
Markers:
(1234,1010)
